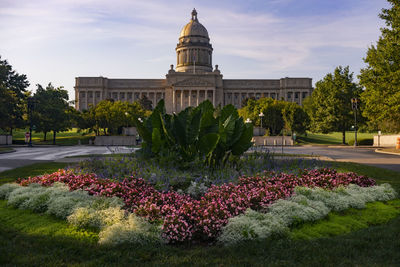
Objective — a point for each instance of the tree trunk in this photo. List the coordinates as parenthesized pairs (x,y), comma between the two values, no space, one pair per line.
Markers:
(54,137)
(44,136)
(344,136)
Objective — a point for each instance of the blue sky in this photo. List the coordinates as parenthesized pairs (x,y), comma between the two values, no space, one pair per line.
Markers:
(58,40)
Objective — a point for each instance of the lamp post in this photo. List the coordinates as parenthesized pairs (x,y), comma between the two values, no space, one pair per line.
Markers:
(248,120)
(261,115)
(354,106)
(30,109)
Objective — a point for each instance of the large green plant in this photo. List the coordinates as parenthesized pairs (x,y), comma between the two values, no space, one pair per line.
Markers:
(204,133)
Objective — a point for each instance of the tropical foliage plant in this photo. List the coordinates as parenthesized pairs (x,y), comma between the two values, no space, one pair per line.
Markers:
(210,134)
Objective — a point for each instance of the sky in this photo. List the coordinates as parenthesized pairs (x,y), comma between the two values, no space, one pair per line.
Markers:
(58,40)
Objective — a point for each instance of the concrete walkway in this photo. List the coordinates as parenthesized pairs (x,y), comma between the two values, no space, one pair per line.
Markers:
(29,155)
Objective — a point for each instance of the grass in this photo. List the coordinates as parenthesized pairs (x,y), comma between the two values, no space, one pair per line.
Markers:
(71,137)
(33,239)
(30,170)
(6,149)
(348,221)
(334,138)
(380,175)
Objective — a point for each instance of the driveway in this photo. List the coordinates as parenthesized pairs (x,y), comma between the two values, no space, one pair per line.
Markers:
(29,155)
(361,155)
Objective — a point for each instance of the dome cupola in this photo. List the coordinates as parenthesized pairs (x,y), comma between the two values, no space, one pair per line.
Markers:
(194,51)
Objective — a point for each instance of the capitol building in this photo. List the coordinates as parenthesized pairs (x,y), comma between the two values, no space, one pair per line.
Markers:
(192,81)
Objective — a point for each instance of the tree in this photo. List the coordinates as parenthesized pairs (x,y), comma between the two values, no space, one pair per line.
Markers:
(110,116)
(330,104)
(381,77)
(275,120)
(52,111)
(12,97)
(146,103)
(295,118)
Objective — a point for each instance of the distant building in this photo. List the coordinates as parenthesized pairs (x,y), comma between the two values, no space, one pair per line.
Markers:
(193,81)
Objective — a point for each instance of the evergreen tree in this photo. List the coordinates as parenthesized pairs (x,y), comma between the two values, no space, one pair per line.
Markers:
(381,77)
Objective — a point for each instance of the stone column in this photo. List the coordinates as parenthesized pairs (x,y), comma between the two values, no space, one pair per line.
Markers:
(173,100)
(213,100)
(190,98)
(154,98)
(181,108)
(197,97)
(86,99)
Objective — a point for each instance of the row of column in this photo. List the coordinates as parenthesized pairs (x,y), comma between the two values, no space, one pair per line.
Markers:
(178,102)
(246,94)
(194,55)
(84,100)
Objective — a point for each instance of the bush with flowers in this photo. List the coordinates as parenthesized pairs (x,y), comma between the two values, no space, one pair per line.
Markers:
(185,218)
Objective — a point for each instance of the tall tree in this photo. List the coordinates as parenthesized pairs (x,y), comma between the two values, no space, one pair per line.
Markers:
(12,97)
(330,104)
(52,112)
(295,118)
(381,77)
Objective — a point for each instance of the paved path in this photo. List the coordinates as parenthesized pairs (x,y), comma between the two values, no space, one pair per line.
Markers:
(29,155)
(366,156)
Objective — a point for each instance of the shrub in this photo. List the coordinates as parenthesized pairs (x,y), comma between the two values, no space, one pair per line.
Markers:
(306,205)
(184,217)
(362,142)
(251,225)
(133,229)
(6,189)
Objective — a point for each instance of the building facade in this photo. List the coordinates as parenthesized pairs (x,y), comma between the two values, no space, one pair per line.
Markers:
(191,82)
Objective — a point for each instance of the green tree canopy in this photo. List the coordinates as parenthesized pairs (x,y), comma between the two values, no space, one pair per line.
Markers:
(330,107)
(110,116)
(277,115)
(51,110)
(12,97)
(381,77)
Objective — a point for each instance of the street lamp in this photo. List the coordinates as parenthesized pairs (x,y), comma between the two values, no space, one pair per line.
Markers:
(31,104)
(354,106)
(248,120)
(261,115)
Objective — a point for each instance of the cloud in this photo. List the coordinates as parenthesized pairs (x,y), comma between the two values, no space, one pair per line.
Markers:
(146,32)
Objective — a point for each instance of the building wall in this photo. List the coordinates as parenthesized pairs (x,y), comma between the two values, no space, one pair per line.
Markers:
(183,89)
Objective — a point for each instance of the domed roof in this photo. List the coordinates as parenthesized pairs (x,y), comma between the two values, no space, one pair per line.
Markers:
(194,28)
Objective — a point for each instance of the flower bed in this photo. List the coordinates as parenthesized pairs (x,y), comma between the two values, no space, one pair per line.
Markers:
(185,218)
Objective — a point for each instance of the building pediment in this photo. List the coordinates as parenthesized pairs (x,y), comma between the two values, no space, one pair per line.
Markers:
(193,82)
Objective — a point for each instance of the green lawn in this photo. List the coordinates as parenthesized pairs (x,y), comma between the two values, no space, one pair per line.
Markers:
(27,238)
(332,138)
(70,137)
(5,149)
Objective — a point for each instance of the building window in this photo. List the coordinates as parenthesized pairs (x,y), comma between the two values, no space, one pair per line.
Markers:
(90,94)
(122,95)
(82,94)
(273,95)
(258,96)
(137,96)
(296,95)
(97,94)
(304,94)
(289,95)
(115,96)
(109,95)
(129,95)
